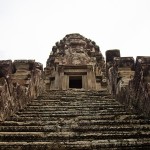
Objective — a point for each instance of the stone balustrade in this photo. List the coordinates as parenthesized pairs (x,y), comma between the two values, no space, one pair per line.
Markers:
(20,82)
(129,81)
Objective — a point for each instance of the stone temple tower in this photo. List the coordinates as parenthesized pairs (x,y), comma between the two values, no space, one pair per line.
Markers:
(75,62)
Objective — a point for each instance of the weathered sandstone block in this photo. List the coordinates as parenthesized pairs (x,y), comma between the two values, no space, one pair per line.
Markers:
(20,82)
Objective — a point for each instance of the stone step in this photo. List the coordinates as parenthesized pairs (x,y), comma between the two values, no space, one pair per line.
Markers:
(54,121)
(72,97)
(71,136)
(60,103)
(85,122)
(74,128)
(75,107)
(37,128)
(105,106)
(81,145)
(103,120)
(111,128)
(115,144)
(71,108)
(115,117)
(72,111)
(53,117)
(113,135)
(34,136)
(97,93)
(99,102)
(78,96)
(49,100)
(76,100)
(47,113)
(81,121)
(48,120)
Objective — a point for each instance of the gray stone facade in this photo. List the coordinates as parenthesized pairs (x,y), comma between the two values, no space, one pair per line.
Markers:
(75,62)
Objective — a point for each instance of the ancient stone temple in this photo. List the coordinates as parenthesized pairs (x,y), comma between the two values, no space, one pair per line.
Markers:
(78,102)
(75,62)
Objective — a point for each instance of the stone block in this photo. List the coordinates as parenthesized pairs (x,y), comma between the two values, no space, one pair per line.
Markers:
(124,62)
(24,64)
(6,68)
(110,54)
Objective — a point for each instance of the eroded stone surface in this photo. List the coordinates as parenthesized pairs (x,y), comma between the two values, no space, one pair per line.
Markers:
(75,58)
(19,83)
(76,112)
(75,119)
(129,82)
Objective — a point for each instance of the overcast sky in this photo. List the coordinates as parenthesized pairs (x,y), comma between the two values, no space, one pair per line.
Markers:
(29,28)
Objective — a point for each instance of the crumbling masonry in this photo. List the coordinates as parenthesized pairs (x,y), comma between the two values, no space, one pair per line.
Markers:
(79,101)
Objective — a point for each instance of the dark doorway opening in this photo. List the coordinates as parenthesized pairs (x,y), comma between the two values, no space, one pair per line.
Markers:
(75,82)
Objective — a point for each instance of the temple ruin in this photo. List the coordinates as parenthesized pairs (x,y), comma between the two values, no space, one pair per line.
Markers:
(75,62)
(79,101)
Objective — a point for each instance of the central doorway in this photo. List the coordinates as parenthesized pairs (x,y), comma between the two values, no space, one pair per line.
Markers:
(75,82)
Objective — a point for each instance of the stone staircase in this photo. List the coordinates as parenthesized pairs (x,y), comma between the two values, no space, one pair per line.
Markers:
(74,119)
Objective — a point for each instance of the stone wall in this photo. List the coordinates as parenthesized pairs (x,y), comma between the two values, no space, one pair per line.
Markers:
(129,82)
(20,82)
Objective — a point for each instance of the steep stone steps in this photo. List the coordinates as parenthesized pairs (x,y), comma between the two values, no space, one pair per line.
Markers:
(75,120)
